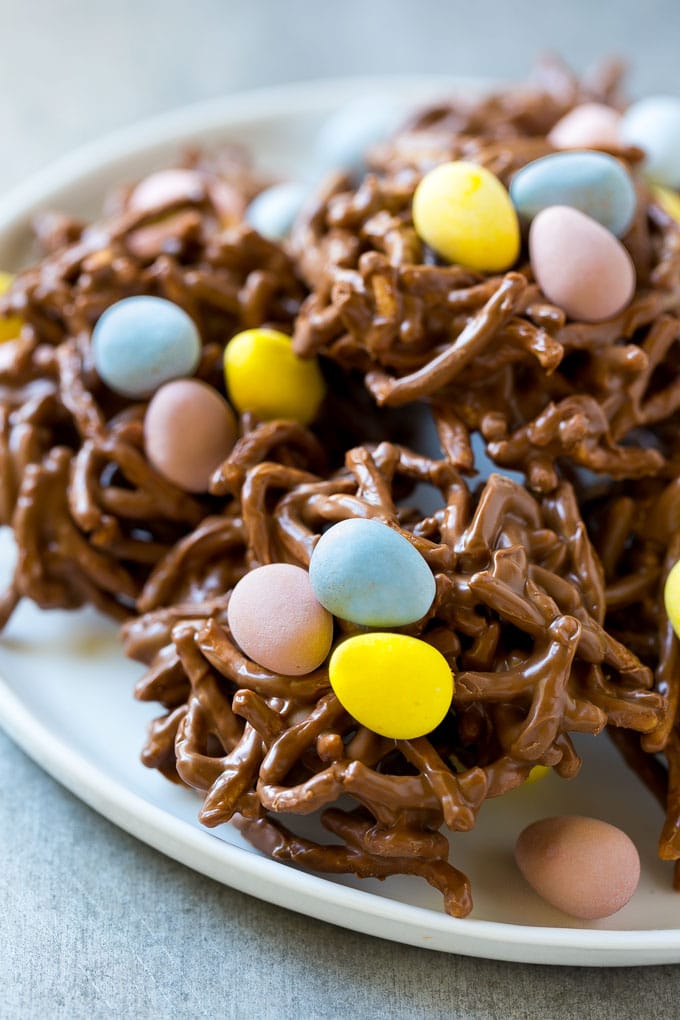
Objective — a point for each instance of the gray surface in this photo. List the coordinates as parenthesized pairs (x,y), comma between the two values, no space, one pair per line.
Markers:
(92,923)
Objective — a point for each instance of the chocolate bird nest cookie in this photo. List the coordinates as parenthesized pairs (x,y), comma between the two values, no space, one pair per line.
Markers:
(403,522)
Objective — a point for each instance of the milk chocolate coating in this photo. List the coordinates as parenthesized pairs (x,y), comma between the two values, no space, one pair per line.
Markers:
(548,602)
(517,614)
(90,515)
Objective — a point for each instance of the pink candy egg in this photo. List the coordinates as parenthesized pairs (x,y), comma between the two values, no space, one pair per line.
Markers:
(582,866)
(591,125)
(167,187)
(580,265)
(189,429)
(276,620)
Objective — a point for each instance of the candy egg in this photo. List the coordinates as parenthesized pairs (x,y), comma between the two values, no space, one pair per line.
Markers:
(590,125)
(276,620)
(166,187)
(265,376)
(465,214)
(364,571)
(397,686)
(583,866)
(671,597)
(10,328)
(189,429)
(140,343)
(653,124)
(274,210)
(580,265)
(593,182)
(345,138)
(669,201)
(537,773)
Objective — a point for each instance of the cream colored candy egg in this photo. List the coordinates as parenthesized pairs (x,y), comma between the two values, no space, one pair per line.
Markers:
(580,265)
(464,213)
(189,429)
(276,620)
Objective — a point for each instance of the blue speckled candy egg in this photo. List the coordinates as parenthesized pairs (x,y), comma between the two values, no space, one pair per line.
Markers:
(653,125)
(363,571)
(592,182)
(274,210)
(142,342)
(345,137)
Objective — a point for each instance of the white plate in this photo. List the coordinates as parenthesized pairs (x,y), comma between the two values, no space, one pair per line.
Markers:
(65,697)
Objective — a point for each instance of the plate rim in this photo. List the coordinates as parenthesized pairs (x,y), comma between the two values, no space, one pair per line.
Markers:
(268,879)
(147,822)
(183,122)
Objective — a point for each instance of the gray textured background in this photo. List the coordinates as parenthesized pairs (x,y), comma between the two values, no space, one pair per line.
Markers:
(92,923)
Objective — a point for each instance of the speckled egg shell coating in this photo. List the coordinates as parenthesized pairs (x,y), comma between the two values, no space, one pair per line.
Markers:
(277,621)
(166,187)
(590,125)
(653,124)
(593,182)
(583,866)
(364,571)
(139,343)
(189,429)
(580,265)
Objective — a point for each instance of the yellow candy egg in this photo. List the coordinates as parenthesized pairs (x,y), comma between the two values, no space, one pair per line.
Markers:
(265,376)
(395,685)
(671,597)
(9,328)
(465,214)
(537,772)
(669,201)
